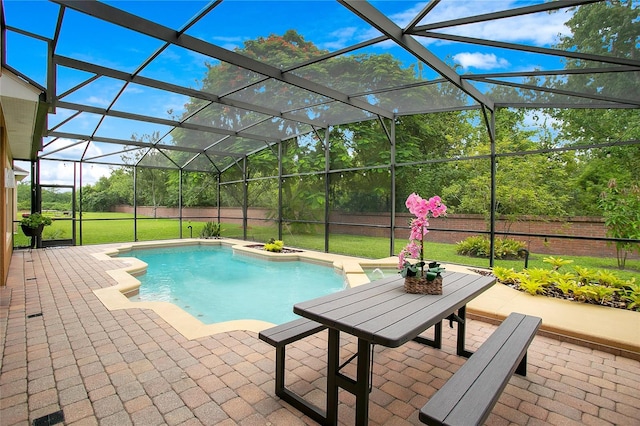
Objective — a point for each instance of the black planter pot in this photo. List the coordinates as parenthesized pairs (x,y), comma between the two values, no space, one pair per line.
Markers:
(34,233)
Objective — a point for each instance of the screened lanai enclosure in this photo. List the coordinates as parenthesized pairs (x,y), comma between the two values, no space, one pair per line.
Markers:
(312,121)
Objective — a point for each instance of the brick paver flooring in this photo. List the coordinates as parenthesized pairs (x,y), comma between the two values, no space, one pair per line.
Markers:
(62,350)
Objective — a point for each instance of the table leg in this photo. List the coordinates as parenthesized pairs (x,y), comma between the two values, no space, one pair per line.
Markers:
(461,350)
(335,380)
(436,342)
(333,360)
(363,382)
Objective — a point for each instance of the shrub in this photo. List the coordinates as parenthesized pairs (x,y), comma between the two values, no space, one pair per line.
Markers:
(274,245)
(211,230)
(480,246)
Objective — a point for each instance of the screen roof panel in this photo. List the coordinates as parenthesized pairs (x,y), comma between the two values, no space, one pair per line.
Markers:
(192,139)
(207,78)
(144,100)
(226,117)
(103,43)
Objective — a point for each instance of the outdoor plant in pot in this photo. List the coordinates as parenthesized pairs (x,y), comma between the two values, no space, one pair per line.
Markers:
(419,279)
(33,225)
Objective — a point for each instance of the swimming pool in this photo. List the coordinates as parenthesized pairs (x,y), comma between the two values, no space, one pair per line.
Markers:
(214,284)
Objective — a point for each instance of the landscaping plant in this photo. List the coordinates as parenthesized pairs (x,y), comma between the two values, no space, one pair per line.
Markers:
(211,230)
(621,210)
(581,284)
(274,245)
(480,246)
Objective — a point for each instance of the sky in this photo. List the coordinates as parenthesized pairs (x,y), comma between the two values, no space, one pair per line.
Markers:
(328,24)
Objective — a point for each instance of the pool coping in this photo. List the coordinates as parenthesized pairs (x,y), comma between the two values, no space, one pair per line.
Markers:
(615,331)
(115,297)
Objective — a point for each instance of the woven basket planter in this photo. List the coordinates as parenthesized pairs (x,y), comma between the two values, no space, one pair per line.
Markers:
(419,285)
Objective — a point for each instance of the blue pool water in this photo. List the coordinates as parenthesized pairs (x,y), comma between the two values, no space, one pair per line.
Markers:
(213,284)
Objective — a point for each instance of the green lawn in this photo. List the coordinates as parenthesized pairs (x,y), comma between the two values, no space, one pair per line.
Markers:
(97,230)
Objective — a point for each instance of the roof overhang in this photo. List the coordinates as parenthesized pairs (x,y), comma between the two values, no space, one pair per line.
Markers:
(24,110)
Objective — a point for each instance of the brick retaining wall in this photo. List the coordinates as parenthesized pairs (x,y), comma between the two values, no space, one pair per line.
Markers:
(570,226)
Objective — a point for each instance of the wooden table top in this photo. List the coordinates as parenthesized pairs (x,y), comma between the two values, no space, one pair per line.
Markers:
(381,312)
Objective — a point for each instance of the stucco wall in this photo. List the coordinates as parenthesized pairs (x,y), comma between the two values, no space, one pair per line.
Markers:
(6,209)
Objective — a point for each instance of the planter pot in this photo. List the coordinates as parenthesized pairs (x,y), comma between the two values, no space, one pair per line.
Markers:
(33,233)
(419,285)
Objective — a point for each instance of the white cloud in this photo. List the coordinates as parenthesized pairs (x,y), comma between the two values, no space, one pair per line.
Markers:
(93,172)
(340,38)
(481,61)
(62,173)
(229,43)
(94,100)
(540,29)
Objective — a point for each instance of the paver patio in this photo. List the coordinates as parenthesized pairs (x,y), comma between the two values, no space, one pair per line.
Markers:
(63,350)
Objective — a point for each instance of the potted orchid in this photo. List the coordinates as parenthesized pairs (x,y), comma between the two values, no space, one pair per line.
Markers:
(422,210)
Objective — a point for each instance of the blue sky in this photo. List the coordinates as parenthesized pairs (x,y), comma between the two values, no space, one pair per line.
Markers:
(328,24)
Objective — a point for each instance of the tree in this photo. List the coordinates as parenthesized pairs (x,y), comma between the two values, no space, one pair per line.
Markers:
(525,185)
(609,29)
(108,192)
(351,146)
(154,170)
(621,211)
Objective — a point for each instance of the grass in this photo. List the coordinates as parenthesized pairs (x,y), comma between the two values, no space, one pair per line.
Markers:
(97,230)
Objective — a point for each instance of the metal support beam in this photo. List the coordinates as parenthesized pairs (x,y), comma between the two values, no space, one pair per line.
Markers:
(130,143)
(393,189)
(119,17)
(424,12)
(161,121)
(245,198)
(327,187)
(280,172)
(135,204)
(520,11)
(490,122)
(162,85)
(613,100)
(180,200)
(532,49)
(383,24)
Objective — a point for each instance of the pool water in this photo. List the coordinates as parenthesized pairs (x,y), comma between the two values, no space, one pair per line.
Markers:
(214,284)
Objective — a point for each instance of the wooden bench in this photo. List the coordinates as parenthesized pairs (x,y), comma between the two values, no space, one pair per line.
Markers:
(468,397)
(279,337)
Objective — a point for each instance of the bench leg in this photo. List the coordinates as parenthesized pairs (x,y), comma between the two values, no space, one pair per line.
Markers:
(287,395)
(522,367)
(280,357)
